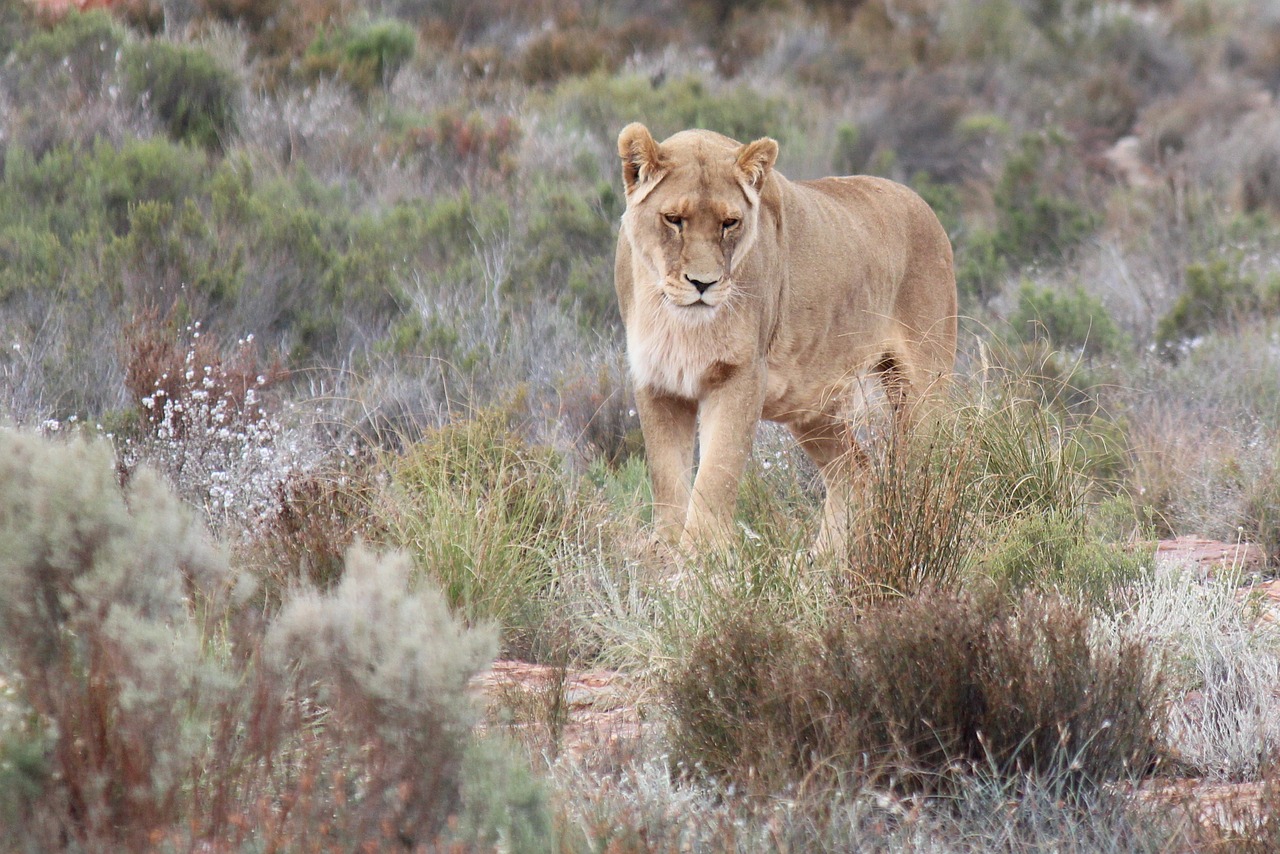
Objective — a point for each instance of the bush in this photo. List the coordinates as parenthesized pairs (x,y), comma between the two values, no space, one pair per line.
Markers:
(204,420)
(1073,320)
(600,101)
(1039,218)
(558,53)
(918,694)
(81,50)
(96,583)
(193,95)
(366,57)
(467,146)
(255,14)
(390,665)
(314,520)
(570,238)
(1216,295)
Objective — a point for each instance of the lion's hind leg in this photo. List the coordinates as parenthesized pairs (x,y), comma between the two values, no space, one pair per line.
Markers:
(836,452)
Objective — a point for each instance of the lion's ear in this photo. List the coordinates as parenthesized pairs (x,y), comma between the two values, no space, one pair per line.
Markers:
(641,159)
(755,159)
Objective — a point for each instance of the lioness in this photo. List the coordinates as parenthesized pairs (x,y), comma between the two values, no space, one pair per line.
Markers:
(747,296)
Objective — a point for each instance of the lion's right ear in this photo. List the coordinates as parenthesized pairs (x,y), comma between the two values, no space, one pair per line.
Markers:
(641,158)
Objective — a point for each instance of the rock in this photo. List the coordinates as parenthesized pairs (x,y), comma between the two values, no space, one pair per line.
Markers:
(1212,555)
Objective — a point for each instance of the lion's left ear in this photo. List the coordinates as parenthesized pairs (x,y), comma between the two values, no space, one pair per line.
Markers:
(755,159)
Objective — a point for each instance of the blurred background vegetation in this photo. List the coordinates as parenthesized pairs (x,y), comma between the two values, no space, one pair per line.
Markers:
(413,204)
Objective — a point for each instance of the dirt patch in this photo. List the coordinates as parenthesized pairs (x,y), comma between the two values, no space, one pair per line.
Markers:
(555,710)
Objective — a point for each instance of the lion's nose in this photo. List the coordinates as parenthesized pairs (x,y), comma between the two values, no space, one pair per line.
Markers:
(701,284)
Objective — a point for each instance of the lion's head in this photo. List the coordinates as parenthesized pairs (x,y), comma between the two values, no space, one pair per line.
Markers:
(693,206)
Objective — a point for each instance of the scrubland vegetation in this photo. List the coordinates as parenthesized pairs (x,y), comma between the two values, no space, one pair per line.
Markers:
(313,402)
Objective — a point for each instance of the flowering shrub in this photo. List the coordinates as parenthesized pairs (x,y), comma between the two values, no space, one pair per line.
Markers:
(205,421)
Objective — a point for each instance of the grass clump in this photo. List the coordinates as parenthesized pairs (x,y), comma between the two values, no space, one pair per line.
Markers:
(931,501)
(486,516)
(916,515)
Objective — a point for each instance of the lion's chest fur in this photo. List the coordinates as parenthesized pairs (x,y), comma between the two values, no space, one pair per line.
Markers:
(677,357)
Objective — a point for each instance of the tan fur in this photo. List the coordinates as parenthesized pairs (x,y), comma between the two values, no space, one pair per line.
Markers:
(748,296)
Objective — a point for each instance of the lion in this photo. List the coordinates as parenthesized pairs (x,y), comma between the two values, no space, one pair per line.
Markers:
(747,296)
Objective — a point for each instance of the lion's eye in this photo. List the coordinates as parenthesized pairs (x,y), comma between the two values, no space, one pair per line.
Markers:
(674,219)
(731,223)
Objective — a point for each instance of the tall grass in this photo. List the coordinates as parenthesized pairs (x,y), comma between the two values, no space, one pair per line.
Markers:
(491,519)
(1000,462)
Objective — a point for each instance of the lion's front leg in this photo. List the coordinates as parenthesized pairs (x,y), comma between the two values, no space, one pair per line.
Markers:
(668,425)
(729,417)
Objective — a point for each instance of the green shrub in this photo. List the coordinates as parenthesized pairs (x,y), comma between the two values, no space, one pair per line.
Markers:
(503,804)
(1055,552)
(367,57)
(377,52)
(84,198)
(81,49)
(1217,294)
(1039,219)
(192,94)
(917,694)
(25,769)
(15,25)
(570,240)
(852,150)
(603,101)
(96,586)
(1073,320)
(154,170)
